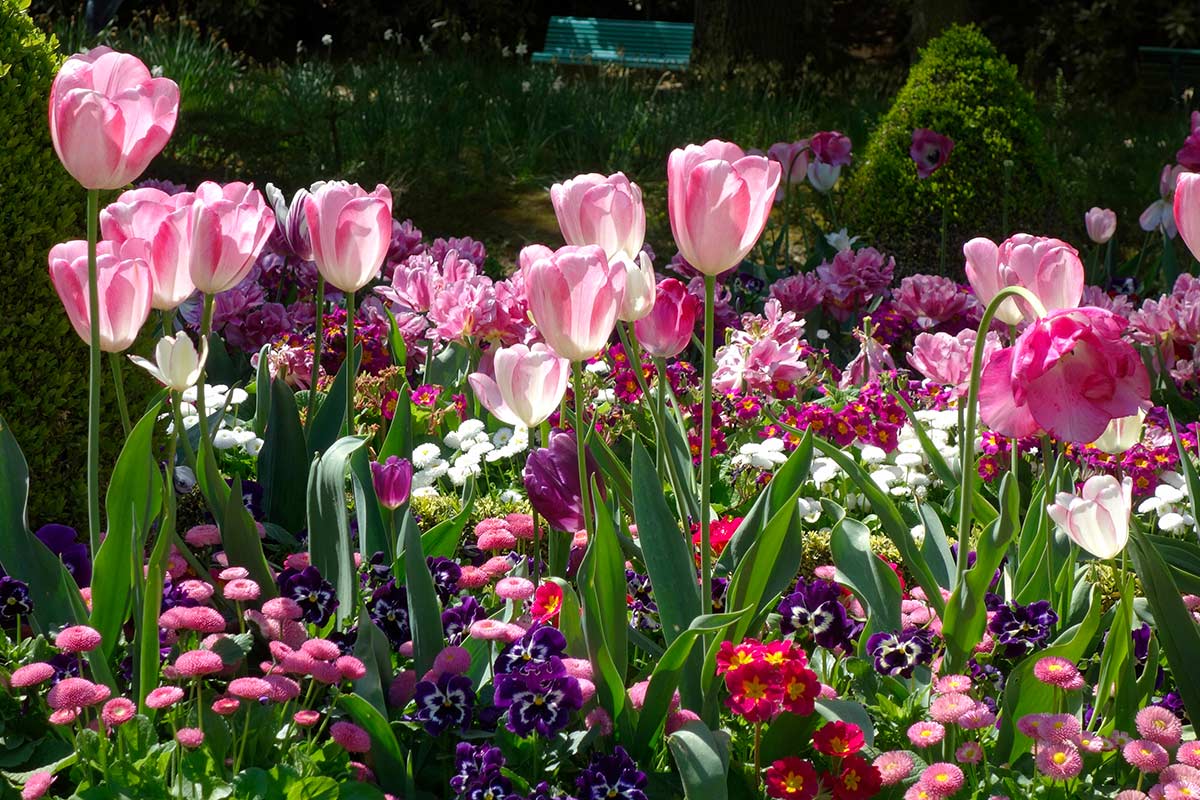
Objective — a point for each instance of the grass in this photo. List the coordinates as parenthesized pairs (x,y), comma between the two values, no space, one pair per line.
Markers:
(470,144)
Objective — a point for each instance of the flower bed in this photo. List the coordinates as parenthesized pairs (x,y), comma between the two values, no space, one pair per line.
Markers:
(399,526)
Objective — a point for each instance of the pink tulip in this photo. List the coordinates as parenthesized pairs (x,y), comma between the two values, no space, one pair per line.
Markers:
(792,158)
(946,359)
(1069,374)
(228,227)
(1097,519)
(831,147)
(574,295)
(666,331)
(1048,268)
(158,222)
(124,284)
(718,202)
(527,386)
(1187,210)
(1101,224)
(1159,215)
(351,230)
(604,211)
(109,117)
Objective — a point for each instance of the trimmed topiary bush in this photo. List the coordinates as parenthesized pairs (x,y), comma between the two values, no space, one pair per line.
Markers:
(963,88)
(43,364)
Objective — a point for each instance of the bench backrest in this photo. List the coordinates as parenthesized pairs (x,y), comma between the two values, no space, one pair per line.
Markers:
(633,41)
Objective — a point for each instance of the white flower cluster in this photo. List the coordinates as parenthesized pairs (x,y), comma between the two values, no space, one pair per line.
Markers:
(767,454)
(1170,503)
(469,447)
(231,434)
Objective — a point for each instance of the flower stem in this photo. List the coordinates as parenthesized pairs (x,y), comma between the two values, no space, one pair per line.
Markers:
(585,491)
(942,249)
(710,291)
(350,366)
(316,363)
(201,406)
(93,472)
(114,361)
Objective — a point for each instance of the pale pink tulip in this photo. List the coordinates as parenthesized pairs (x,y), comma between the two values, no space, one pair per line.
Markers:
(1121,434)
(350,230)
(792,158)
(159,223)
(1187,210)
(666,331)
(124,284)
(1097,519)
(1101,224)
(527,385)
(1069,374)
(718,201)
(600,210)
(574,296)
(1048,268)
(228,227)
(109,117)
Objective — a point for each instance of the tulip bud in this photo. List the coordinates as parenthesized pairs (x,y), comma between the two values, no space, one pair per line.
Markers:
(176,364)
(1121,434)
(393,481)
(667,329)
(350,230)
(574,296)
(639,288)
(823,177)
(125,288)
(1098,519)
(1101,224)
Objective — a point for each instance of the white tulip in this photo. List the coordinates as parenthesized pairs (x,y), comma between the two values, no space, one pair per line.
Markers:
(176,364)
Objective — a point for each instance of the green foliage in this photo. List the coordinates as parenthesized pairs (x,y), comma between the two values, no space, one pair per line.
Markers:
(963,88)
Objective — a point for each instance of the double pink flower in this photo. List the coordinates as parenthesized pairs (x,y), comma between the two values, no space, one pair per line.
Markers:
(109,117)
(719,200)
(125,284)
(1068,374)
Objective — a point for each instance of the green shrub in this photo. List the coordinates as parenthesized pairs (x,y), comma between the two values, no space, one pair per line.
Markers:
(963,88)
(43,364)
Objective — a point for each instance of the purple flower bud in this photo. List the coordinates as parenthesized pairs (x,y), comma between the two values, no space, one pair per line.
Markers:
(393,481)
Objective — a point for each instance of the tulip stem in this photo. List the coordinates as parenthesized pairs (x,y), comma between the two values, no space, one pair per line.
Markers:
(585,491)
(942,249)
(201,406)
(114,361)
(710,291)
(350,366)
(93,472)
(966,492)
(315,374)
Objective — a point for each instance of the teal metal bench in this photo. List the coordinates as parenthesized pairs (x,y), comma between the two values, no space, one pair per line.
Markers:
(630,43)
(1180,67)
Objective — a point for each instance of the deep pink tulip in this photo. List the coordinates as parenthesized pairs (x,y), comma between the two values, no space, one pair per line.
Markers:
(158,222)
(526,386)
(228,227)
(666,331)
(109,117)
(1048,268)
(1187,210)
(601,210)
(574,296)
(1101,224)
(831,148)
(124,282)
(946,359)
(930,151)
(718,206)
(1069,374)
(392,479)
(351,230)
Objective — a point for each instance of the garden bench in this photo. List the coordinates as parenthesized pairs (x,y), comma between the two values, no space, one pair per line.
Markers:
(630,43)
(1180,67)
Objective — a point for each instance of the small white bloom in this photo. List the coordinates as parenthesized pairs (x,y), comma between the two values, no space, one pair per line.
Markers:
(1151,504)
(899,491)
(604,396)
(511,496)
(526,86)
(598,367)
(1168,493)
(299,47)
(422,478)
(918,534)
(1172,477)
(810,510)
(225,439)
(438,468)
(470,427)
(521,48)
(1171,521)
(237,397)
(502,437)
(505,52)
(423,491)
(871,454)
(253,447)
(452,440)
(479,448)
(466,37)
(425,454)
(916,479)
(156,71)
(457,475)
(327,40)
(909,460)
(822,334)
(388,35)
(185,479)
(558,84)
(840,240)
